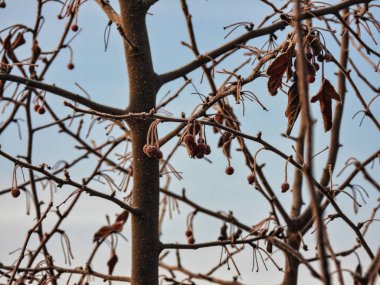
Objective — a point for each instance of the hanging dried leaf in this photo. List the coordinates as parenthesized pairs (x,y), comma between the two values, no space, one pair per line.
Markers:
(19,41)
(105,231)
(294,107)
(123,217)
(324,96)
(275,72)
(112,261)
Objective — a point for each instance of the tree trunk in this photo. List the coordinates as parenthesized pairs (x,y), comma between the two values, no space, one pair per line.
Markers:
(291,263)
(143,86)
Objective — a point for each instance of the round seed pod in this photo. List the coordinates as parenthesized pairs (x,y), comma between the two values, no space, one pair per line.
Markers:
(320,57)
(36,107)
(310,78)
(208,150)
(189,233)
(74,27)
(41,110)
(191,240)
(202,147)
(192,150)
(15,192)
(70,66)
(189,139)
(328,57)
(251,178)
(200,155)
(229,170)
(285,187)
(152,150)
(159,154)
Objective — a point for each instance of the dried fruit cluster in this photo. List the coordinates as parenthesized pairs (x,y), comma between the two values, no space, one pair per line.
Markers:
(39,104)
(152,147)
(314,52)
(195,147)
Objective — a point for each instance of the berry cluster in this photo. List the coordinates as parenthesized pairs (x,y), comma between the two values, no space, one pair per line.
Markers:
(314,51)
(39,105)
(195,147)
(190,236)
(152,147)
(69,8)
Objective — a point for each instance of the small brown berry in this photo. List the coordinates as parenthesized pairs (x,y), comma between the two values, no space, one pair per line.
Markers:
(230,170)
(200,155)
(316,66)
(159,154)
(310,78)
(41,110)
(251,178)
(285,187)
(36,107)
(309,55)
(208,150)
(151,150)
(3,5)
(189,233)
(189,140)
(192,150)
(59,17)
(191,240)
(202,147)
(15,192)
(70,66)
(74,27)
(320,57)
(328,57)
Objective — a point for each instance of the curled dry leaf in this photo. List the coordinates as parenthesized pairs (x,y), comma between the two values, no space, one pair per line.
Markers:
(105,231)
(276,70)
(324,96)
(123,217)
(116,227)
(112,261)
(294,107)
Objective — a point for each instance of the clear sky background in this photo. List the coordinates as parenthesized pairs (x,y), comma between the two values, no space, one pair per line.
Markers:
(104,76)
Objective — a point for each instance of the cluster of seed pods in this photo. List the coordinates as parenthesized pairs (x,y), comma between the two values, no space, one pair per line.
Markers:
(189,231)
(315,52)
(195,141)
(152,146)
(39,105)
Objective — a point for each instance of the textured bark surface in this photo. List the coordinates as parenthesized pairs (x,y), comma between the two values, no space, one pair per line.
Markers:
(143,86)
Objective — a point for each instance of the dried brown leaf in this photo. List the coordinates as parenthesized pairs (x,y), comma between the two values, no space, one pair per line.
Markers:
(111,263)
(324,96)
(19,41)
(294,107)
(276,70)
(105,231)
(123,217)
